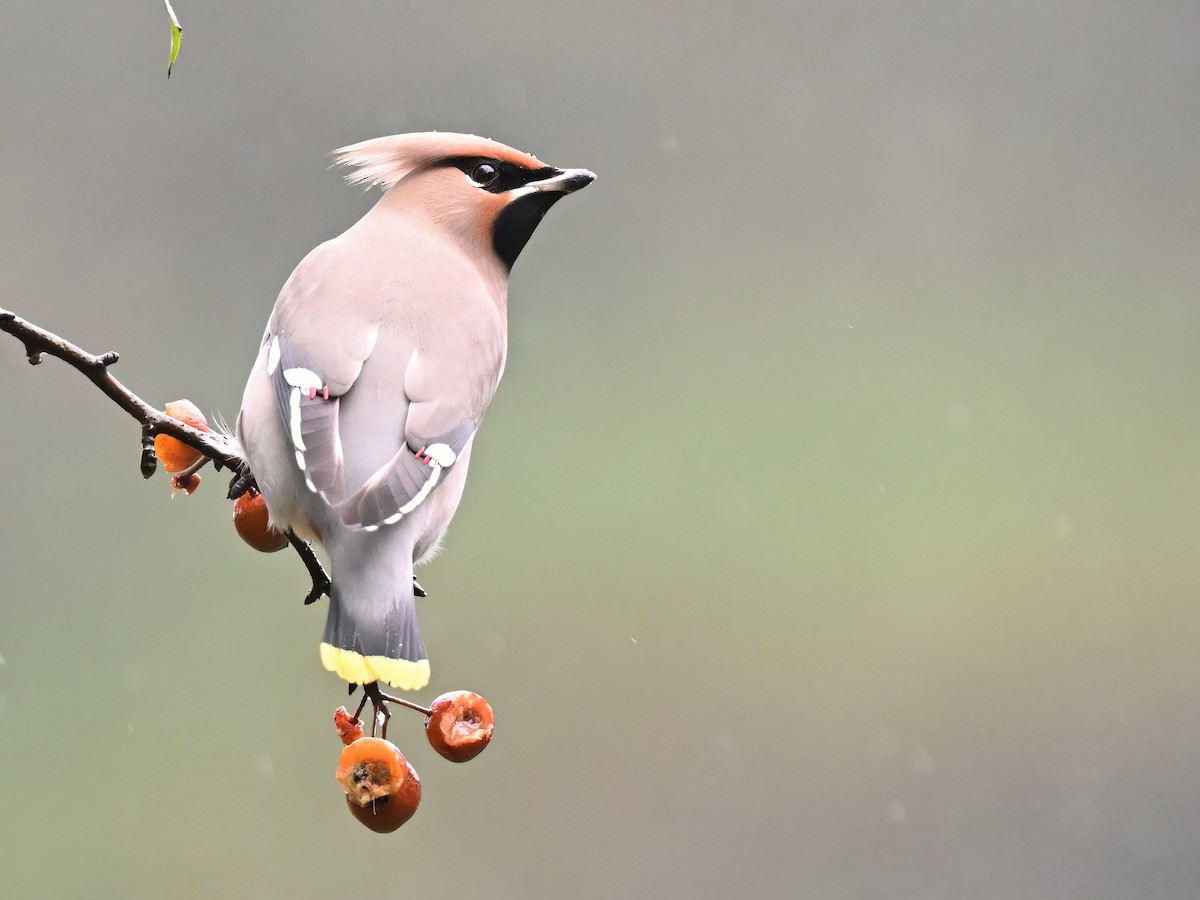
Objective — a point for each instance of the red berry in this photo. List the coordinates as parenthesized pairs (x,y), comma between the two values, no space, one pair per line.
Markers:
(460,725)
(252,522)
(174,454)
(382,788)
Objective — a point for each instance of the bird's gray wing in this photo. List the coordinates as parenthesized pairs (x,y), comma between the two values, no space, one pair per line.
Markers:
(309,403)
(310,407)
(308,393)
(401,484)
(397,386)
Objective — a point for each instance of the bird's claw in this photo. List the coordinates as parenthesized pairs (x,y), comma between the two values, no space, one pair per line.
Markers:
(319,589)
(242,482)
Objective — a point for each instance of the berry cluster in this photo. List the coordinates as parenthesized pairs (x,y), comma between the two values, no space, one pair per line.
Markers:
(382,788)
(250,516)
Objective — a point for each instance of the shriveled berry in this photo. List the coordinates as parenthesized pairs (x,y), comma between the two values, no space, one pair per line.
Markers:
(382,788)
(173,453)
(386,814)
(460,725)
(252,522)
(185,483)
(349,729)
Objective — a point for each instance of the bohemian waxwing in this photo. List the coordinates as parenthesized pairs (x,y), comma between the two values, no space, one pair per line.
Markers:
(378,363)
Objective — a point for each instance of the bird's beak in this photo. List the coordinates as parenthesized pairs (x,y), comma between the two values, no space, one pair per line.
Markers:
(564,181)
(567,181)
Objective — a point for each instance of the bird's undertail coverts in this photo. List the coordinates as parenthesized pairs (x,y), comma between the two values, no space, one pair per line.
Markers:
(371,632)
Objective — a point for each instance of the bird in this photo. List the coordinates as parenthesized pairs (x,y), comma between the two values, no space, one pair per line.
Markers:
(378,363)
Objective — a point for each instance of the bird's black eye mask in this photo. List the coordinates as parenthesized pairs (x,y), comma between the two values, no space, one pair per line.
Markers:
(497,176)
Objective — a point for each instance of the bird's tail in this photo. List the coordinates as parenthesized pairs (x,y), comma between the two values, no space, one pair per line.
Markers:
(371,632)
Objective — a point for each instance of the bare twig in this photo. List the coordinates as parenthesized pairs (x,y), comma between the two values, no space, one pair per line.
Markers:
(154,422)
(38,341)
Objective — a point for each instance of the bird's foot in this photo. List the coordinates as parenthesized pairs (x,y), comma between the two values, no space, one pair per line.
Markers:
(242,482)
(380,714)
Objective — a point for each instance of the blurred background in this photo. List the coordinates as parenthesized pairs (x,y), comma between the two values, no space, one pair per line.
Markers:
(834,533)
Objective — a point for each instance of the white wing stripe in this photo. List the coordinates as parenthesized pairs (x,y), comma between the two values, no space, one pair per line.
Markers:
(297,435)
(303,378)
(273,356)
(441,454)
(425,489)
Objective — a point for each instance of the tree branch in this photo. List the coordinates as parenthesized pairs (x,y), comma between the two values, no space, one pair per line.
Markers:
(38,341)
(154,422)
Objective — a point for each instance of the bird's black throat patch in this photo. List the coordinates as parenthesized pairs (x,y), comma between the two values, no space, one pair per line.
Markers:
(517,221)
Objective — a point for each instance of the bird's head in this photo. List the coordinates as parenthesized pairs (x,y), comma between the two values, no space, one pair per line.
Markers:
(490,196)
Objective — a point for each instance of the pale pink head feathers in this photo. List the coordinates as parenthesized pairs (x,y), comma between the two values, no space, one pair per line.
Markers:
(384,161)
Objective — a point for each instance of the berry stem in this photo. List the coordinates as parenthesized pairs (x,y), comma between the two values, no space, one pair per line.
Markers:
(379,721)
(194,468)
(358,712)
(417,706)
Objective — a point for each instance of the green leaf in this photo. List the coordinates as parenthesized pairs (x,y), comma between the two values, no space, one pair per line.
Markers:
(176,37)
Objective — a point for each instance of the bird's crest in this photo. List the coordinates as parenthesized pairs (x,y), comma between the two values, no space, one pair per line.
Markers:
(384,161)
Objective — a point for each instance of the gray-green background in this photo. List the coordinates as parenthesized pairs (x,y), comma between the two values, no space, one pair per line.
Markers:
(834,533)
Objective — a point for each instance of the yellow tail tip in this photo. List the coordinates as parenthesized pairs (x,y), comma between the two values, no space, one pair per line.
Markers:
(358,669)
